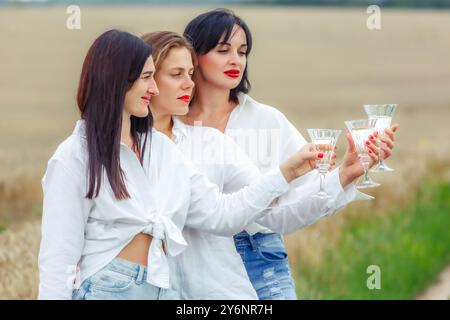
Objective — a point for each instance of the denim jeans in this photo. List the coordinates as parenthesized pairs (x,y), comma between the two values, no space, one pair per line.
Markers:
(266,261)
(121,280)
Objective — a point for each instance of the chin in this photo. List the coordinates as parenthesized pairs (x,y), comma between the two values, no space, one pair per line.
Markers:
(141,114)
(230,85)
(181,111)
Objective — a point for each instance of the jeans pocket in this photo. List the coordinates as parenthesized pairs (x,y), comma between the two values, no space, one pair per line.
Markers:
(271,248)
(110,281)
(272,254)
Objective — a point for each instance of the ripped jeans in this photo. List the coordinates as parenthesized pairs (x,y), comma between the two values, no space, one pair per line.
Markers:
(266,261)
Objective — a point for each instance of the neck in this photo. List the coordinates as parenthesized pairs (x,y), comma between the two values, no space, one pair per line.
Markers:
(162,122)
(210,100)
(125,135)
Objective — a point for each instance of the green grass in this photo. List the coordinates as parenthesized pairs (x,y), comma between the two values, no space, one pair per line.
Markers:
(410,246)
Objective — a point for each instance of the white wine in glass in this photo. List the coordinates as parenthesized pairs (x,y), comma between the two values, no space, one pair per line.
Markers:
(360,131)
(324,140)
(383,113)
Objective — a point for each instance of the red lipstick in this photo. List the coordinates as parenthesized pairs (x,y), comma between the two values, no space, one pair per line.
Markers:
(146,99)
(232,73)
(185,98)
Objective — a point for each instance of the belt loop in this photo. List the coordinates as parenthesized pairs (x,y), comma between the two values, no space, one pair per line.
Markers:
(140,276)
(253,242)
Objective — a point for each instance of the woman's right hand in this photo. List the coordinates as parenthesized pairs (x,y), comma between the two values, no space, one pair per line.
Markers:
(302,162)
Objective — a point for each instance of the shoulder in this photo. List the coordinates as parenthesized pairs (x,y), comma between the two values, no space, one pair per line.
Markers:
(69,160)
(263,112)
(72,150)
(166,153)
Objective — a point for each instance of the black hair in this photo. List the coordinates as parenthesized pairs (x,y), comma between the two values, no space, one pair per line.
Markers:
(206,30)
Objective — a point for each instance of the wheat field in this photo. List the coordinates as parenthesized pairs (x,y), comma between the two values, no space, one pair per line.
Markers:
(317,65)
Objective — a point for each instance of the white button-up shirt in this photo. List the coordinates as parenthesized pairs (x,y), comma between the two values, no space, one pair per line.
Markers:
(80,236)
(210,267)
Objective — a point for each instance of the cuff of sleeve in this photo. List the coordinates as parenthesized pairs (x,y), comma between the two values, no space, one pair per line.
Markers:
(277,180)
(341,196)
(345,195)
(363,196)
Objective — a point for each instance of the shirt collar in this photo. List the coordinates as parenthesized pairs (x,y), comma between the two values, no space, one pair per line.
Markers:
(80,128)
(179,128)
(242,100)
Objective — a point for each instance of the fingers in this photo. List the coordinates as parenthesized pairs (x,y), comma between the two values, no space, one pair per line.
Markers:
(389,133)
(395,127)
(372,146)
(387,141)
(308,155)
(372,156)
(350,143)
(323,147)
(386,151)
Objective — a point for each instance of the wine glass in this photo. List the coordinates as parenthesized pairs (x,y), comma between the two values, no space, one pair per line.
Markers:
(323,140)
(360,131)
(382,112)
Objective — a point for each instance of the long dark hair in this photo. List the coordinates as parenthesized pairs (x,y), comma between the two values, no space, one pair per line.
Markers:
(114,61)
(205,32)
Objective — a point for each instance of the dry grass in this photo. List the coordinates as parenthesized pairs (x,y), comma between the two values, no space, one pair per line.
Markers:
(318,66)
(18,261)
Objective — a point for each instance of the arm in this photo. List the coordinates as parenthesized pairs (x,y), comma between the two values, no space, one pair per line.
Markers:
(228,214)
(65,213)
(296,208)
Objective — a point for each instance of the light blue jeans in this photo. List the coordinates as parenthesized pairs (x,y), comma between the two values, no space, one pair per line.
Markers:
(121,280)
(266,261)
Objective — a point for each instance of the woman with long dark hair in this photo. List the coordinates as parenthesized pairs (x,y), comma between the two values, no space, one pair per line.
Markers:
(117,193)
(222,42)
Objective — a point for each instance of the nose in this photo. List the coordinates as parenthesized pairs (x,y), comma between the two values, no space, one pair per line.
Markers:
(153,88)
(234,58)
(188,83)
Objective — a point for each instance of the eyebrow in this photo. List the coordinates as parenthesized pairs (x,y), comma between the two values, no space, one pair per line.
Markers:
(229,44)
(180,68)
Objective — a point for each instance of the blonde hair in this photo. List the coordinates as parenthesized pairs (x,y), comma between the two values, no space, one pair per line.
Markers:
(164,41)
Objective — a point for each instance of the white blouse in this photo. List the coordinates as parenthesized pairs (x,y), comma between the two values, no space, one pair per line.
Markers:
(210,268)
(80,236)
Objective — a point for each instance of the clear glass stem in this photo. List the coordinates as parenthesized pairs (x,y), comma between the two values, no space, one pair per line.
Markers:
(365,164)
(366,175)
(322,180)
(323,169)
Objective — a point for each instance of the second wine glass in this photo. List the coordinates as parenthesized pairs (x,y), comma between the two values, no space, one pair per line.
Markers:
(360,131)
(324,140)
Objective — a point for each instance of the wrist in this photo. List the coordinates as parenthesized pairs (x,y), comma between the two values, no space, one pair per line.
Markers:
(345,176)
(288,171)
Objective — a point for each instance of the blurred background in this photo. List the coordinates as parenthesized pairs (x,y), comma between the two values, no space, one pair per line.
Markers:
(317,62)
